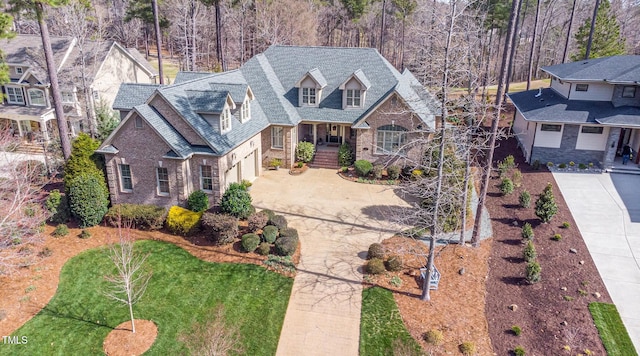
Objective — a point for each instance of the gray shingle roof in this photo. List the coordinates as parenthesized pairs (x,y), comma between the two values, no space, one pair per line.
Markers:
(610,69)
(362,78)
(174,139)
(316,74)
(207,101)
(182,77)
(133,94)
(552,107)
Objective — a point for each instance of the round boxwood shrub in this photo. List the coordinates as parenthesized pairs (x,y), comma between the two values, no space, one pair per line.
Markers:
(250,242)
(278,221)
(61,230)
(363,167)
(393,263)
(375,266)
(88,199)
(198,201)
(220,228)
(236,201)
(270,233)
(393,172)
(305,152)
(376,250)
(287,245)
(433,337)
(270,214)
(289,232)
(257,221)
(467,348)
(264,248)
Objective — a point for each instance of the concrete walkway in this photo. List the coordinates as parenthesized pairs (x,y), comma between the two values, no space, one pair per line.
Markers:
(606,208)
(337,220)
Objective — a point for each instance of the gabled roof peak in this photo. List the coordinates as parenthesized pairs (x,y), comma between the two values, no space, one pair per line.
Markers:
(358,74)
(317,77)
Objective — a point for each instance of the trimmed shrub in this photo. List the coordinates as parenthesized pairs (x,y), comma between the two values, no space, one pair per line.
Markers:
(250,242)
(546,206)
(58,207)
(376,250)
(257,221)
(516,330)
(220,228)
(467,348)
(375,266)
(517,178)
(198,201)
(527,231)
(345,157)
(433,337)
(305,151)
(533,272)
(393,172)
(556,237)
(566,225)
(505,165)
(363,167)
(85,234)
(286,246)
(393,263)
(562,165)
(61,230)
(289,232)
(140,216)
(377,171)
(88,198)
(506,187)
(519,351)
(270,233)
(278,221)
(529,254)
(83,159)
(525,199)
(270,213)
(236,201)
(264,249)
(183,221)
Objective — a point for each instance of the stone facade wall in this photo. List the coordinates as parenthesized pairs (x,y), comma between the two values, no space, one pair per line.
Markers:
(567,151)
(618,100)
(176,121)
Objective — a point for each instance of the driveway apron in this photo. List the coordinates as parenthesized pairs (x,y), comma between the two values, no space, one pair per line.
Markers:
(606,208)
(337,220)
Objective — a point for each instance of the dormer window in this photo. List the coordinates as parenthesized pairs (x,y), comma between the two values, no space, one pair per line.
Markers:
(353,98)
(14,95)
(19,70)
(245,110)
(36,97)
(354,90)
(225,120)
(309,96)
(310,88)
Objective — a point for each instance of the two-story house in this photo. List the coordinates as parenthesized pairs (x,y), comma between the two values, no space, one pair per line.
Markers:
(27,107)
(207,130)
(589,112)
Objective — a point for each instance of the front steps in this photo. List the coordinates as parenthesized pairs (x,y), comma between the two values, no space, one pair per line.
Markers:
(325,159)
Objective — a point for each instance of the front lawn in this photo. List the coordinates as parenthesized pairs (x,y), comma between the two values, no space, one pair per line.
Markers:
(613,334)
(183,290)
(382,331)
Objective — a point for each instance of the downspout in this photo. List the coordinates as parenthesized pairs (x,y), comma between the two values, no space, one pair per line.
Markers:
(535,130)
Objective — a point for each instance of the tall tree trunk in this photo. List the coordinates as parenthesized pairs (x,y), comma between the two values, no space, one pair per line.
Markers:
(593,27)
(156,23)
(514,48)
(566,43)
(63,129)
(382,26)
(223,65)
(533,44)
(475,237)
(192,15)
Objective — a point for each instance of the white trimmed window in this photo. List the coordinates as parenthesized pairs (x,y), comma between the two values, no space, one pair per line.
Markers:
(162,177)
(353,98)
(68,97)
(206,178)
(14,95)
(245,111)
(592,130)
(225,120)
(277,137)
(36,97)
(126,183)
(19,70)
(551,127)
(309,96)
(391,139)
(582,87)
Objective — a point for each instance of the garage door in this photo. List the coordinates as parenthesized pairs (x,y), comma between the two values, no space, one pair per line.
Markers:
(249,167)
(231,176)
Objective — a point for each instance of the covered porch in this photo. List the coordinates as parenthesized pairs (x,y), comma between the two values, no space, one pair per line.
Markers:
(29,123)
(324,134)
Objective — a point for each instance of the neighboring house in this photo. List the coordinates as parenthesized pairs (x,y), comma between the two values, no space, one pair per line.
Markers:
(207,130)
(28,106)
(590,111)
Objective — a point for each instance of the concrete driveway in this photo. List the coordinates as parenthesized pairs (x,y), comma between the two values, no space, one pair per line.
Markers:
(337,220)
(606,208)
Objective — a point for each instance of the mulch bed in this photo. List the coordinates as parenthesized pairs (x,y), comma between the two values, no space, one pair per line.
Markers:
(552,313)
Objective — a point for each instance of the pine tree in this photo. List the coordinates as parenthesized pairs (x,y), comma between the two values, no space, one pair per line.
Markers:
(546,206)
(606,35)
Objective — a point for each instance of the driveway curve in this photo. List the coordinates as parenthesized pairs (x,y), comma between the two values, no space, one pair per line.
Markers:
(337,220)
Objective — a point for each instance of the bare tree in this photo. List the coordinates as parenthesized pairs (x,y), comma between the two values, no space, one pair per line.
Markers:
(130,282)
(156,26)
(215,337)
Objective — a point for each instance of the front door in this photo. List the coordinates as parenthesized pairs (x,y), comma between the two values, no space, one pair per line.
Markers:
(333,130)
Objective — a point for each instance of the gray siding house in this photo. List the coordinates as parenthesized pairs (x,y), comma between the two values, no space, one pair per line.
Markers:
(208,130)
(587,115)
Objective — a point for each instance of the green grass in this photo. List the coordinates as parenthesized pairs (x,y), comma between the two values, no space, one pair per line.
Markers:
(181,292)
(612,332)
(381,324)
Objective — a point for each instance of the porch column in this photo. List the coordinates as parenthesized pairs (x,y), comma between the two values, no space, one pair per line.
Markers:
(19,128)
(342,132)
(43,130)
(315,134)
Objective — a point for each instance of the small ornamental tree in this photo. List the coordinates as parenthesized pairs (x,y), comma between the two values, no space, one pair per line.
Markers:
(83,159)
(88,199)
(546,206)
(305,152)
(236,201)
(525,199)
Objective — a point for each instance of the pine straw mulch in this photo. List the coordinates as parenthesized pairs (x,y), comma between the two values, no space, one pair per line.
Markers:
(122,342)
(28,289)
